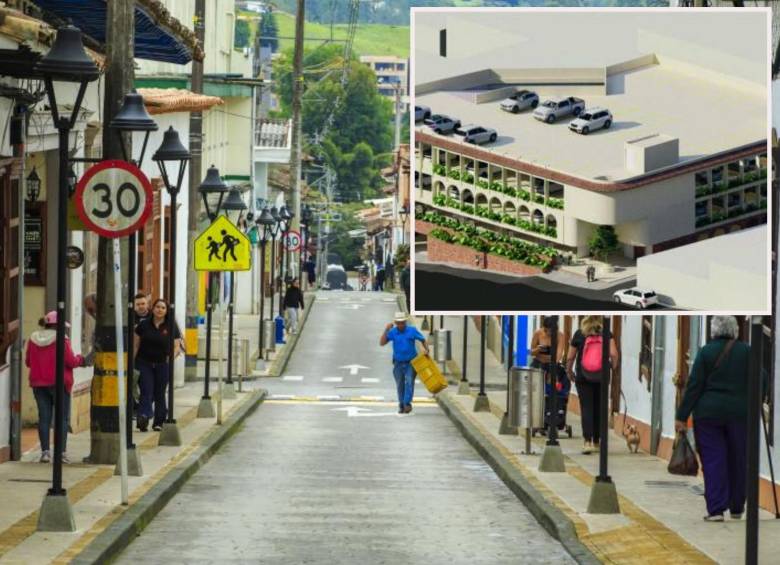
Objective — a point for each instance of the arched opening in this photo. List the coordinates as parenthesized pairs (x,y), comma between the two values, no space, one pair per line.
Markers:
(468,197)
(482,200)
(538,217)
(509,208)
(495,205)
(453,192)
(524,214)
(438,188)
(552,222)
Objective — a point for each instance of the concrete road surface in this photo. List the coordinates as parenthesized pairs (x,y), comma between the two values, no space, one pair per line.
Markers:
(319,481)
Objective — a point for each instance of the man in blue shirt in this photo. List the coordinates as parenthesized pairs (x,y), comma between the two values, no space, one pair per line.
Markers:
(403,336)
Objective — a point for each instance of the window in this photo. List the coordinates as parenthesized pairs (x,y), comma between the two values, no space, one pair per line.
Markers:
(442,43)
(701,178)
(563,104)
(9,257)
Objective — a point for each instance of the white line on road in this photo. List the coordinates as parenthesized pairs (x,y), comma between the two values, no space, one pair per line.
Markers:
(328,397)
(292,378)
(357,411)
(369,380)
(373,398)
(283,397)
(332,379)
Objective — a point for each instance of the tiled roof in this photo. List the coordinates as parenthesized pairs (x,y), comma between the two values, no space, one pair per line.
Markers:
(169,100)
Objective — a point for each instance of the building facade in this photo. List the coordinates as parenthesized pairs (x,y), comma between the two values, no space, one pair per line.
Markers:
(392,77)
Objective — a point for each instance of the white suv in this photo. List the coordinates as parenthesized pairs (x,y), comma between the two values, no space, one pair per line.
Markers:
(636,297)
(591,120)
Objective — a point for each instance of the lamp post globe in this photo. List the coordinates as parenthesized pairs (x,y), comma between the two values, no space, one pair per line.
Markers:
(213,185)
(133,117)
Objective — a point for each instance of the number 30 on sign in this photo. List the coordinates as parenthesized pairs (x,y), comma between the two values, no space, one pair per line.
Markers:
(114,198)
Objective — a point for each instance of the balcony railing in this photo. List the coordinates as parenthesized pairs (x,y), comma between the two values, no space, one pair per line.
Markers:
(272,133)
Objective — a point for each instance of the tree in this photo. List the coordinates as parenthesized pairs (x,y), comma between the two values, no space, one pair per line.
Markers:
(603,242)
(241,39)
(269,31)
(349,248)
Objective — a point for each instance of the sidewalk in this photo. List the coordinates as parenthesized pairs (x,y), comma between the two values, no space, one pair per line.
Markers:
(103,525)
(661,515)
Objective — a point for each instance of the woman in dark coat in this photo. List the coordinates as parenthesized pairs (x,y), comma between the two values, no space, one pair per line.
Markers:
(716,395)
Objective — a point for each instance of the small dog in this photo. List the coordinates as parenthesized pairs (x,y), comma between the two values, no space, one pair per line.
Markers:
(632,438)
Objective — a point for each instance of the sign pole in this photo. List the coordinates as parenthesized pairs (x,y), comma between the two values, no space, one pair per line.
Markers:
(221,347)
(120,371)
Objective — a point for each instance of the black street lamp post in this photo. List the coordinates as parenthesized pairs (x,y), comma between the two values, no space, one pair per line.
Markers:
(212,185)
(306,219)
(234,206)
(171,150)
(274,232)
(132,117)
(404,214)
(285,217)
(66,61)
(264,224)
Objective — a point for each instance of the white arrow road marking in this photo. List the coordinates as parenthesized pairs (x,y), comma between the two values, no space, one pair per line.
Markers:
(369,380)
(357,411)
(292,378)
(354,368)
(325,298)
(332,379)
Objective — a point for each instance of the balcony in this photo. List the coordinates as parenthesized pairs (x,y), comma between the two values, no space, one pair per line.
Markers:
(272,140)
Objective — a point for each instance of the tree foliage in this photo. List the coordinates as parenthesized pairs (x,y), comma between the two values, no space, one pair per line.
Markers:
(359,138)
(603,242)
(269,31)
(349,248)
(242,34)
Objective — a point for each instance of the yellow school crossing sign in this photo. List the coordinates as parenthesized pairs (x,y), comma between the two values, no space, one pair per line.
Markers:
(222,247)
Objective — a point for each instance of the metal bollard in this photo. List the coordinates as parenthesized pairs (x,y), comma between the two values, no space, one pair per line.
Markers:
(268,336)
(528,398)
(442,347)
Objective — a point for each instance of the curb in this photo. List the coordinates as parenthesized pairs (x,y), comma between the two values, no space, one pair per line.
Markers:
(122,531)
(553,520)
(278,365)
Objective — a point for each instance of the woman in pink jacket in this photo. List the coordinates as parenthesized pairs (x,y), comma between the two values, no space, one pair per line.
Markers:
(41,359)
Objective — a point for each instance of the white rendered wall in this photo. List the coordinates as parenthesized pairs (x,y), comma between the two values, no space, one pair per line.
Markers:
(636,394)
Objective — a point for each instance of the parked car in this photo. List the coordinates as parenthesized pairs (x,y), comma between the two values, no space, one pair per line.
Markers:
(476,134)
(335,278)
(636,297)
(421,113)
(591,120)
(550,110)
(440,123)
(520,100)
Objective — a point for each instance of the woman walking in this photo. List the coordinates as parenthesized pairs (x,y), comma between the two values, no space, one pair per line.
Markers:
(584,367)
(716,395)
(293,299)
(151,360)
(541,342)
(41,358)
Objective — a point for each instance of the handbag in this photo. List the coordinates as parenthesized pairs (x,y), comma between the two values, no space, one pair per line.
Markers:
(683,461)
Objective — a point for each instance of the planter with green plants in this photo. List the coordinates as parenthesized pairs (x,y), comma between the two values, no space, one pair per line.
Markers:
(440,170)
(703,191)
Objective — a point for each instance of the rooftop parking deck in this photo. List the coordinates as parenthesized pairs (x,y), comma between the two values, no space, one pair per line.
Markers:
(707,115)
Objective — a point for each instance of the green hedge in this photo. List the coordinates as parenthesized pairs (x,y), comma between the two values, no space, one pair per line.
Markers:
(482,212)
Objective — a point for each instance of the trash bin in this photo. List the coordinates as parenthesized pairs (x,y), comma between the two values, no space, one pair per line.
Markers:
(442,345)
(279,321)
(269,343)
(527,397)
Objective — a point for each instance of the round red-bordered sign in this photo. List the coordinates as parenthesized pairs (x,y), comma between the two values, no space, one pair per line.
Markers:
(292,240)
(114,198)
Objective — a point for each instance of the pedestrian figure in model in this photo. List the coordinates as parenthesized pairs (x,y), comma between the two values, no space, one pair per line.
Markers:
(404,337)
(293,299)
(717,395)
(151,359)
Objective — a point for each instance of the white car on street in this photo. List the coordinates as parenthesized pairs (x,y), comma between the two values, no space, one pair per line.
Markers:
(636,297)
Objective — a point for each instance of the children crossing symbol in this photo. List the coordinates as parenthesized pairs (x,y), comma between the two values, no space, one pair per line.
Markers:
(222,247)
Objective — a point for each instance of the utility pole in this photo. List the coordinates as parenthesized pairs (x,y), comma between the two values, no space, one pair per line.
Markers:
(119,75)
(295,155)
(397,117)
(196,152)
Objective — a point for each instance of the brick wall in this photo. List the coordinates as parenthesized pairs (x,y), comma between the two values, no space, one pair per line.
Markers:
(439,250)
(423,228)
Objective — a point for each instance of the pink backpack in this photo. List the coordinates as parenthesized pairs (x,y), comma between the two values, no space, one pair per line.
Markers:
(590,358)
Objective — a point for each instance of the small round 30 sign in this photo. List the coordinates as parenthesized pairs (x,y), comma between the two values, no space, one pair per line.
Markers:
(114,198)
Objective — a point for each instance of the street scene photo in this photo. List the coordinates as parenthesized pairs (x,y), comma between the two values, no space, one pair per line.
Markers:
(392,282)
(590,160)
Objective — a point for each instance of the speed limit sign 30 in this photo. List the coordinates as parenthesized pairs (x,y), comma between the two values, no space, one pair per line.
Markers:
(114,198)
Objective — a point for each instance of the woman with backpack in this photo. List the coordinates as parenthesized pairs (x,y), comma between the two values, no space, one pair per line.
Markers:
(41,358)
(716,395)
(584,365)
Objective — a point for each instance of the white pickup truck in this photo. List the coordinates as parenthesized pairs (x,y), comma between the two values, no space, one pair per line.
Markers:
(554,108)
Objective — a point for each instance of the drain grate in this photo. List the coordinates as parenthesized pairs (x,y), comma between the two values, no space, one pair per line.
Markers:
(667,484)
